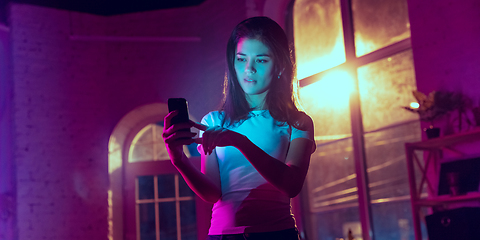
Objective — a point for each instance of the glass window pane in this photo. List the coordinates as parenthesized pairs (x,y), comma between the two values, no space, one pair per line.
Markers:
(161,151)
(318,34)
(148,145)
(388,180)
(166,186)
(140,149)
(145,136)
(168,220)
(385,86)
(387,169)
(332,191)
(332,182)
(145,187)
(141,152)
(393,220)
(379,23)
(335,225)
(327,102)
(147,221)
(184,189)
(188,219)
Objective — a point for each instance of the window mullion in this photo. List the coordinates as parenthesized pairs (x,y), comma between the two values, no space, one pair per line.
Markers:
(157,207)
(387,51)
(177,207)
(356,124)
(137,208)
(348,29)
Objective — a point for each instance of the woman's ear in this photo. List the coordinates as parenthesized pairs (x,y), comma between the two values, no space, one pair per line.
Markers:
(280,73)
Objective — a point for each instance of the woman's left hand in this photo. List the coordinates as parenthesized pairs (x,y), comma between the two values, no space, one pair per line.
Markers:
(216,136)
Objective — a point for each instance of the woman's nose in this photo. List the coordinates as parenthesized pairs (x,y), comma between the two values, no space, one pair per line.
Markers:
(250,68)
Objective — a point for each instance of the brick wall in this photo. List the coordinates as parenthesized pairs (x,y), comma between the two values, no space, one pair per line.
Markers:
(7,173)
(70,92)
(60,127)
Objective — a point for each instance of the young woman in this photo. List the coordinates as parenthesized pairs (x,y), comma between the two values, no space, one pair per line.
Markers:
(256,149)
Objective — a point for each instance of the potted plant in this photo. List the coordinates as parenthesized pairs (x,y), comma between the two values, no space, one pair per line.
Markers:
(476,114)
(436,105)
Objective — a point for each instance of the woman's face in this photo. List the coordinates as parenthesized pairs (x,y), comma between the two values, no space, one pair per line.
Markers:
(254,66)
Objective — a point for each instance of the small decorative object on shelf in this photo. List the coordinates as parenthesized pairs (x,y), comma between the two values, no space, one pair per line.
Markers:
(438,183)
(453,183)
(432,132)
(476,115)
(350,235)
(436,105)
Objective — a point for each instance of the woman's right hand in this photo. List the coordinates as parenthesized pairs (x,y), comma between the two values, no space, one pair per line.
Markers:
(175,136)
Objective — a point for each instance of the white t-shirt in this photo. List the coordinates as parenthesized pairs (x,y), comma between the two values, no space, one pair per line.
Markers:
(249,203)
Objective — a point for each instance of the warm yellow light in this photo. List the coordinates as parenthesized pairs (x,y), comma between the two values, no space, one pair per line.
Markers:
(114,155)
(110,215)
(414,105)
(332,91)
(317,64)
(362,46)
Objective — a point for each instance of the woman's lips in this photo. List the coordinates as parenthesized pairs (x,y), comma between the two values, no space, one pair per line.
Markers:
(249,80)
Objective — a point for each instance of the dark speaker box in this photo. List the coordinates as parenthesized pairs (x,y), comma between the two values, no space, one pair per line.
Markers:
(467,170)
(455,224)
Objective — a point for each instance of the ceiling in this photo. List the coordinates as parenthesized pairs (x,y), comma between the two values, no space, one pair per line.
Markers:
(105,7)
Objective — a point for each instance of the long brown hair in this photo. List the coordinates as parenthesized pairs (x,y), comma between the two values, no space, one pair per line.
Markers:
(281,98)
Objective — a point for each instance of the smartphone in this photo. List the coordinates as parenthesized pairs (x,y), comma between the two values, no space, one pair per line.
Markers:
(179,104)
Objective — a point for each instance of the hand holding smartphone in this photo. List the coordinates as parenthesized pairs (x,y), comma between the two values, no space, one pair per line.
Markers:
(176,137)
(179,104)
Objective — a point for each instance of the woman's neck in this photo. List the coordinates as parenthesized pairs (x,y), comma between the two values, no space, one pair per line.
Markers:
(257,101)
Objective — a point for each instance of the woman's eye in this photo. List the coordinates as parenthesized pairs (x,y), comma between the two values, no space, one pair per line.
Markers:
(241,59)
(262,60)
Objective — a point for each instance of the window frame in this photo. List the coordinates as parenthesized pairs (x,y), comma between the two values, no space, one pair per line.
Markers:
(351,64)
(154,168)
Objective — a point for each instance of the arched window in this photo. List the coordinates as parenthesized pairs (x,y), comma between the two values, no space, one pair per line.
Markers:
(148,198)
(355,67)
(148,145)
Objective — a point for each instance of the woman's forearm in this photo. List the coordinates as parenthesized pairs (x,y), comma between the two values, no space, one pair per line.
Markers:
(203,186)
(287,178)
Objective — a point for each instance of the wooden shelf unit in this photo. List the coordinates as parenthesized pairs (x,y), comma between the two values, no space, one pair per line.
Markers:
(434,149)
